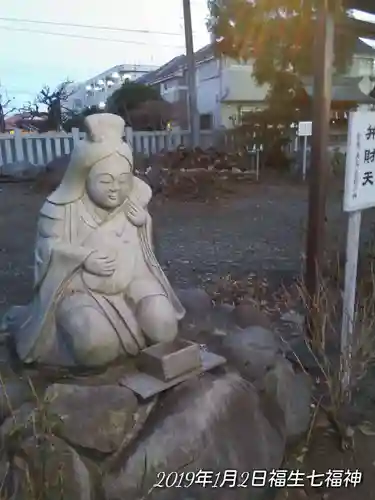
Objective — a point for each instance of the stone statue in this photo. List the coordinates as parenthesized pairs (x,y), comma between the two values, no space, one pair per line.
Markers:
(99,291)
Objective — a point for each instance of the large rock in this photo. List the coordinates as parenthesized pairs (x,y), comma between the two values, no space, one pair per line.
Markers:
(213,423)
(20,171)
(46,467)
(96,418)
(196,301)
(252,351)
(293,392)
(246,315)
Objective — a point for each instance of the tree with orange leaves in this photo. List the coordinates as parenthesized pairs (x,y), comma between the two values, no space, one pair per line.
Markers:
(278,36)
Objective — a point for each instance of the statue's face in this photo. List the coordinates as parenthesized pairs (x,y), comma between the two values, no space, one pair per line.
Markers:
(110,182)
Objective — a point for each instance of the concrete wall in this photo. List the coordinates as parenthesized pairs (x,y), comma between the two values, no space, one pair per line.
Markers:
(239,84)
(103,85)
(223,87)
(209,90)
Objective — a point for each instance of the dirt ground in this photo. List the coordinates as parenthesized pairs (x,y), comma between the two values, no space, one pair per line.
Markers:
(261,230)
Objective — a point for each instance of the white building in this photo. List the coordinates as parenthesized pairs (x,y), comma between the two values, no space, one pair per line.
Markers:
(96,90)
(226,88)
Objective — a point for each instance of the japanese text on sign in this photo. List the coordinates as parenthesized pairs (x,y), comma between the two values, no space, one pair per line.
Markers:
(360,162)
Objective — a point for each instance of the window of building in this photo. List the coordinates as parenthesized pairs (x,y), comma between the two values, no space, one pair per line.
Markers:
(206,121)
(77,103)
(366,67)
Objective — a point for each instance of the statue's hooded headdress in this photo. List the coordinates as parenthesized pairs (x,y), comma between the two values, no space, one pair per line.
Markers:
(104,133)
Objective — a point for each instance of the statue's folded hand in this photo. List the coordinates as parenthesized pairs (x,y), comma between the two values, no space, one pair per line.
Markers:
(100,264)
(137,215)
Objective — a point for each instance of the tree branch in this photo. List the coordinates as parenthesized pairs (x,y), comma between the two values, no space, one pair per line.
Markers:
(32,109)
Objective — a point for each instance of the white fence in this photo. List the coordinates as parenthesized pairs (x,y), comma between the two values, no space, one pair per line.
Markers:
(40,149)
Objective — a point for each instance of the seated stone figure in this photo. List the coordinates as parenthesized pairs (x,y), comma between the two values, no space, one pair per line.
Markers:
(99,291)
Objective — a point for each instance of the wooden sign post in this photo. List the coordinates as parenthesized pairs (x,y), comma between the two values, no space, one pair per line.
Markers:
(359,195)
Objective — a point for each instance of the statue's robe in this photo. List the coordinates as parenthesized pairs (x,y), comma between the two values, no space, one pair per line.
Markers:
(67,235)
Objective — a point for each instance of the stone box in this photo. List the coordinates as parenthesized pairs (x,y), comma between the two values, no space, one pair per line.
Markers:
(168,360)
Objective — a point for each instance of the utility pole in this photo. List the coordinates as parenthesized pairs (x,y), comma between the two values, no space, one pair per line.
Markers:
(192,89)
(319,171)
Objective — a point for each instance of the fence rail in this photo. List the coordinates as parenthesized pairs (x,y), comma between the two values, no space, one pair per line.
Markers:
(40,149)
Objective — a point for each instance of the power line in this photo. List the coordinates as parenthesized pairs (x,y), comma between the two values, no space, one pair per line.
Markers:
(87,26)
(86,37)
(18,91)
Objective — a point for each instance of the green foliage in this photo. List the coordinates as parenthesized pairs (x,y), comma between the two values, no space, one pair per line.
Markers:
(278,36)
(75,120)
(141,106)
(130,96)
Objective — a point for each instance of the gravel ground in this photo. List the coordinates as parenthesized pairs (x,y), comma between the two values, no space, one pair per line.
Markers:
(259,230)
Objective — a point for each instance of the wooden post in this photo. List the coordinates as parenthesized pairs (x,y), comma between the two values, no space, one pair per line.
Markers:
(319,152)
(18,144)
(39,152)
(348,309)
(191,77)
(8,151)
(66,146)
(49,148)
(29,150)
(57,146)
(359,194)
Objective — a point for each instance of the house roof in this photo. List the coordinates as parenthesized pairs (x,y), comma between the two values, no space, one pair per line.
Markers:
(344,89)
(363,5)
(171,67)
(364,49)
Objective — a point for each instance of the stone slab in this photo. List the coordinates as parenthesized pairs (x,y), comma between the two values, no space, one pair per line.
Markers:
(146,386)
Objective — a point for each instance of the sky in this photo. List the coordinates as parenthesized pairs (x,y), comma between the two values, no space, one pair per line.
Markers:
(34,54)
(29,60)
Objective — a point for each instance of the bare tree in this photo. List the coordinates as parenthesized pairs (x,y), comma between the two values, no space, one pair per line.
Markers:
(5,107)
(32,109)
(54,101)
